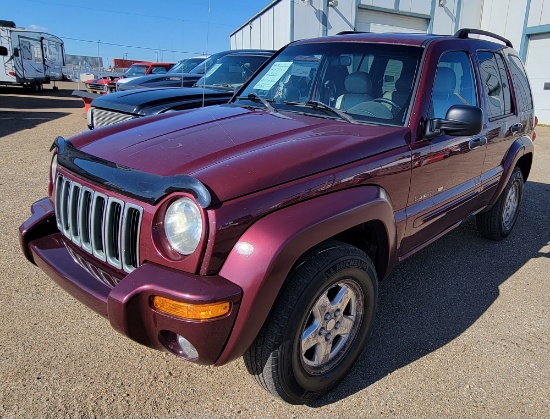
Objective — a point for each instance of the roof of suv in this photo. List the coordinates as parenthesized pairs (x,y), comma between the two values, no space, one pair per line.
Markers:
(413,39)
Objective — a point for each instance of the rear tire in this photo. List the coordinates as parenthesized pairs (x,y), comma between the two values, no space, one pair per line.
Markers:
(318,326)
(498,222)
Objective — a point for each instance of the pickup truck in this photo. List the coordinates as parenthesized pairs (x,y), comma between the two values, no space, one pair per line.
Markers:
(261,227)
(107,84)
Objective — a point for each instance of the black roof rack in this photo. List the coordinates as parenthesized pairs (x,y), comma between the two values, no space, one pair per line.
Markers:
(350,32)
(463,33)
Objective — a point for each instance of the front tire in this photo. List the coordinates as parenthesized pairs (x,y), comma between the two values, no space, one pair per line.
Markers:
(498,222)
(318,326)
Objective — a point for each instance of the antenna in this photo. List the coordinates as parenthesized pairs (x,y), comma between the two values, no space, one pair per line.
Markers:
(207,32)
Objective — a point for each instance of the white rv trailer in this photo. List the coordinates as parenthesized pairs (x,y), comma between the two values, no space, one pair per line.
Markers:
(29,58)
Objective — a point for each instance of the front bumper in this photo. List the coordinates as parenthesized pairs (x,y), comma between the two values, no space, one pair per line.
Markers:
(125,299)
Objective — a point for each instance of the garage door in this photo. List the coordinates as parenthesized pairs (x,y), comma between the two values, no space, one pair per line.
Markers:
(538,65)
(374,21)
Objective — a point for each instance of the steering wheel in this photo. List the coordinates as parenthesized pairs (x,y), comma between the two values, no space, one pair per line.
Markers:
(389,102)
(330,88)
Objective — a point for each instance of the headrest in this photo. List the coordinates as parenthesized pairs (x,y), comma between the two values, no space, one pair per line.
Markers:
(445,80)
(358,83)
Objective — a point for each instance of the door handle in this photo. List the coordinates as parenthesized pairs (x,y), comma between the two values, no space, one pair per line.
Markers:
(478,141)
(516,127)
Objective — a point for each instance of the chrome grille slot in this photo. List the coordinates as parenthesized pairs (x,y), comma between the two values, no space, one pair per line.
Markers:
(98,221)
(74,202)
(130,236)
(58,200)
(86,197)
(65,198)
(102,225)
(113,227)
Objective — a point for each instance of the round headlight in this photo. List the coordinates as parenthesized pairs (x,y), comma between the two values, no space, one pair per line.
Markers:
(183,226)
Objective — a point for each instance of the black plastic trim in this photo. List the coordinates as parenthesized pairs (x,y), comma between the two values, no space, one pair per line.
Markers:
(134,183)
(463,33)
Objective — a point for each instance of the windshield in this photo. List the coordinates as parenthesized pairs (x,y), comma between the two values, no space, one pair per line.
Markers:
(185,66)
(203,67)
(232,70)
(136,70)
(367,82)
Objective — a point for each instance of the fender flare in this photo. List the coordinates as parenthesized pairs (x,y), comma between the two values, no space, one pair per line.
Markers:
(264,255)
(519,148)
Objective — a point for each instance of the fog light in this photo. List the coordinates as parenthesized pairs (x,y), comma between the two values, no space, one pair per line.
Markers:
(190,311)
(187,350)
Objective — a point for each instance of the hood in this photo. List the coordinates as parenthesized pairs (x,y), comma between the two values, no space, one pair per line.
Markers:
(236,151)
(137,102)
(161,80)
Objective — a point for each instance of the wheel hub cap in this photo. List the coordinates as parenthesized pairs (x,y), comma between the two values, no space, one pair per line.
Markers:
(510,206)
(331,325)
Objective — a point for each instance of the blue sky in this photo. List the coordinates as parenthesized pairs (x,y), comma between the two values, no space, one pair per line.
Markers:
(169,29)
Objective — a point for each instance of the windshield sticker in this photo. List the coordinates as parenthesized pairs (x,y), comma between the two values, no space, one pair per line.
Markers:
(300,70)
(272,76)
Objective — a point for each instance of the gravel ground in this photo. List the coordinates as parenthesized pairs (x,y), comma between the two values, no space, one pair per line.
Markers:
(463,327)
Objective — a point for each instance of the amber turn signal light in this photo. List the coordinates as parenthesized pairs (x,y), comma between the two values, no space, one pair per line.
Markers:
(190,311)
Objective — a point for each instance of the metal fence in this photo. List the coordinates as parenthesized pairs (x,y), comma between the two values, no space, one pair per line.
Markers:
(82,73)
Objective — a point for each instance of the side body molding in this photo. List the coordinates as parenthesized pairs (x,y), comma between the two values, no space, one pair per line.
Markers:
(266,252)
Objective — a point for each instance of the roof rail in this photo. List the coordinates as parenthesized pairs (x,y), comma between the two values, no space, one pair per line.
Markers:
(350,32)
(463,33)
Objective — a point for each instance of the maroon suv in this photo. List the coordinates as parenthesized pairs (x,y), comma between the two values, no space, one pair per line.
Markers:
(261,227)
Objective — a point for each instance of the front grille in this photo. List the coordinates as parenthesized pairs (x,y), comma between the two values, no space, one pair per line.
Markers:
(103,226)
(101,117)
(97,87)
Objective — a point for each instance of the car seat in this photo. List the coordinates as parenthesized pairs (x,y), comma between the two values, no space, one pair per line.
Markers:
(444,95)
(402,92)
(359,88)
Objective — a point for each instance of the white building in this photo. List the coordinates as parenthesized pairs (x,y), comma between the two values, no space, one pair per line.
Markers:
(524,22)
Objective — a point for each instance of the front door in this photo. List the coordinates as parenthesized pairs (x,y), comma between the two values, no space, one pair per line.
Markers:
(446,170)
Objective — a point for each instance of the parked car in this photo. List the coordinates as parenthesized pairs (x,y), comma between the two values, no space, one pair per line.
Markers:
(107,83)
(102,85)
(182,67)
(186,79)
(215,87)
(143,69)
(261,227)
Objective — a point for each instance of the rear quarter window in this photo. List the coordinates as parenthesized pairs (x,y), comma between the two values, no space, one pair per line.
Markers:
(521,84)
(495,84)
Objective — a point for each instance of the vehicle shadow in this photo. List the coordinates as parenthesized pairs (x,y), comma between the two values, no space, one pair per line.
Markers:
(61,99)
(21,109)
(436,295)
(12,122)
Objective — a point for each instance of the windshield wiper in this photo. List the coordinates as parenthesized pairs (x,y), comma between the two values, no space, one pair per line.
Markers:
(256,98)
(323,106)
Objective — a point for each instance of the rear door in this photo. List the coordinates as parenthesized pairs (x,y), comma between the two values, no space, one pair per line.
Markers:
(505,121)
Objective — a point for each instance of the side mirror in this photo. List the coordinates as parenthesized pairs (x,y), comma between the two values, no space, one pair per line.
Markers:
(460,120)
(16,52)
